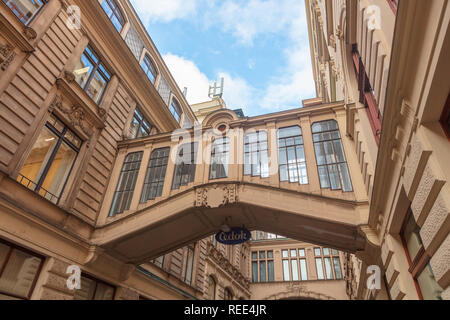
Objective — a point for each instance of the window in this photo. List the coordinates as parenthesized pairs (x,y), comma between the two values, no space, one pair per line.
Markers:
(91,74)
(330,156)
(113,12)
(127,183)
(175,110)
(293,260)
(159,261)
(51,160)
(227,295)
(185,165)
(419,261)
(319,269)
(445,119)
(337,268)
(140,126)
(265,271)
(156,174)
(189,265)
(93,289)
(25,10)
(330,260)
(211,288)
(149,68)
(256,161)
(219,158)
(291,152)
(19,271)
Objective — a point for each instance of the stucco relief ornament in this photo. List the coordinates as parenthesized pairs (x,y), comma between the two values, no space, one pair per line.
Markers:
(6,49)
(29,33)
(339,32)
(215,196)
(69,76)
(75,114)
(8,61)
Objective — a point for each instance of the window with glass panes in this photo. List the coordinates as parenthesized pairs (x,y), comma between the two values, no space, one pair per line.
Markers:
(113,12)
(149,68)
(175,110)
(189,264)
(19,271)
(159,261)
(93,289)
(91,74)
(419,261)
(156,174)
(185,165)
(126,184)
(291,155)
(227,295)
(263,266)
(219,158)
(328,264)
(25,10)
(330,156)
(51,160)
(294,265)
(256,157)
(140,126)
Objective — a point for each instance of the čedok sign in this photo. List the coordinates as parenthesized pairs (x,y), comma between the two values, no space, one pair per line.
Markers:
(234,236)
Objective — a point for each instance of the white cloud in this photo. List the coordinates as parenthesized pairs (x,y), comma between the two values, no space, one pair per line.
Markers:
(165,10)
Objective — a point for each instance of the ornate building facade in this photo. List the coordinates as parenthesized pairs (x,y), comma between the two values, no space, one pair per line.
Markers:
(106,169)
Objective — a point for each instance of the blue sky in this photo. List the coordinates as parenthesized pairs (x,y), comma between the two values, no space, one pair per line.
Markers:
(260,47)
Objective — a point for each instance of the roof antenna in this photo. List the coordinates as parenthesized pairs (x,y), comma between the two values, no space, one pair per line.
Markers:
(185,91)
(216,91)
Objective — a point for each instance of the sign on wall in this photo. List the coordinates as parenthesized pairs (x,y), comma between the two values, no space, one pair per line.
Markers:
(233,237)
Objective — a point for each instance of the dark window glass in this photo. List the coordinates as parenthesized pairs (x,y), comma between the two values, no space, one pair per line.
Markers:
(175,110)
(25,10)
(256,155)
(127,183)
(19,270)
(51,160)
(227,294)
(149,68)
(337,268)
(156,174)
(140,126)
(292,161)
(270,271)
(255,272)
(330,156)
(189,265)
(262,271)
(219,158)
(113,12)
(185,165)
(91,74)
(92,289)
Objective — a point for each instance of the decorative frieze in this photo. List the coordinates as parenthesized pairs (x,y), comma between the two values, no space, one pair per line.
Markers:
(29,33)
(7,55)
(216,196)
(75,114)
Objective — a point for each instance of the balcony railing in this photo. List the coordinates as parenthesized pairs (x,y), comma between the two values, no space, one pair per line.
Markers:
(39,190)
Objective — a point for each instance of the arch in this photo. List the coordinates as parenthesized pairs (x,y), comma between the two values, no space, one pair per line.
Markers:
(299,295)
(212,287)
(222,116)
(147,64)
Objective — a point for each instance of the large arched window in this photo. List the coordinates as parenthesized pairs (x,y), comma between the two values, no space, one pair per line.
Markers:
(113,12)
(291,152)
(211,288)
(330,156)
(149,68)
(156,174)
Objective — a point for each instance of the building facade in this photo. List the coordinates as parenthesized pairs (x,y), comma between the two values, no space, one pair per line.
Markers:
(106,169)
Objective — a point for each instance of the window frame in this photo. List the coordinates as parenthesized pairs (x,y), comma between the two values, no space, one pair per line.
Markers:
(149,63)
(116,8)
(116,192)
(95,68)
(326,165)
(97,282)
(13,247)
(28,22)
(226,145)
(263,259)
(175,107)
(148,184)
(445,118)
(138,113)
(61,138)
(191,167)
(190,250)
(259,154)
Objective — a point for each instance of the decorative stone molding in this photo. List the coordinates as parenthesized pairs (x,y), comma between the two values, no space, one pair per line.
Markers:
(225,264)
(126,272)
(94,253)
(76,115)
(29,33)
(5,49)
(7,55)
(8,61)
(339,32)
(216,196)
(69,76)
(332,41)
